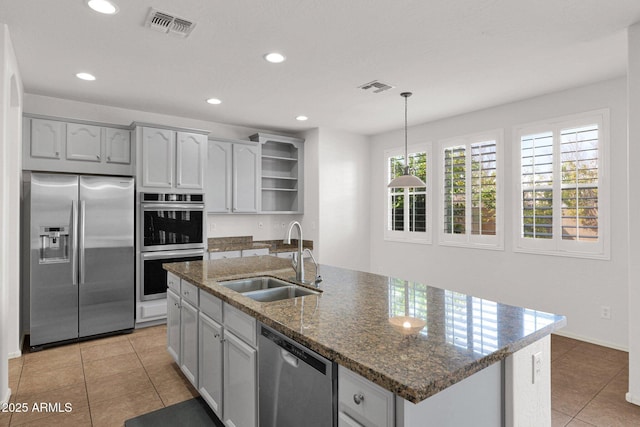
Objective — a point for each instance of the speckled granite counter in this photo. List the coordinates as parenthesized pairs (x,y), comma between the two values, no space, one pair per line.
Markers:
(349,323)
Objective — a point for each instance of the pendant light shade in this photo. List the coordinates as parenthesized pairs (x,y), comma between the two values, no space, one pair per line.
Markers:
(407,179)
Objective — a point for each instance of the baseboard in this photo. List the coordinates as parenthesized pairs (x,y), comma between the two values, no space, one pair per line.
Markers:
(15,354)
(591,340)
(633,399)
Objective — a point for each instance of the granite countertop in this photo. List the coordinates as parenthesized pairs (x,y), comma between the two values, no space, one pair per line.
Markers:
(349,323)
(225,244)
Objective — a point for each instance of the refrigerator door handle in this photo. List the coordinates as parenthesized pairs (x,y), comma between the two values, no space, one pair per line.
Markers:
(74,246)
(81,241)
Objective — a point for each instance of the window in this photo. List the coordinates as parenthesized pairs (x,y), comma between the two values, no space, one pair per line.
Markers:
(562,191)
(470,191)
(407,213)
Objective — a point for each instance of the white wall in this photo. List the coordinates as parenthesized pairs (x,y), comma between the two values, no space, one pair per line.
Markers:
(343,210)
(10,128)
(574,287)
(633,146)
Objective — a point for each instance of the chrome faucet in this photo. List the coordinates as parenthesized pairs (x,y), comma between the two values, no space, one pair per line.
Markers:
(318,279)
(296,261)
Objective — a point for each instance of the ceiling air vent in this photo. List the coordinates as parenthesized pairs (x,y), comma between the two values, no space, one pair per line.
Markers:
(165,23)
(376,86)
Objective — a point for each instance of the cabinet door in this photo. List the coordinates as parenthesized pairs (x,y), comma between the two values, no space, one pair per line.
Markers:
(84,142)
(173,325)
(190,152)
(218,177)
(158,149)
(210,363)
(246,176)
(46,138)
(118,146)
(240,383)
(189,341)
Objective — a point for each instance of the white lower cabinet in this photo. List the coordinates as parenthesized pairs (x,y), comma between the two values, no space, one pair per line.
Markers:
(240,383)
(210,362)
(173,325)
(189,341)
(363,403)
(345,420)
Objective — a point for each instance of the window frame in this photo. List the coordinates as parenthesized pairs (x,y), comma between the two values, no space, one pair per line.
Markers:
(468,239)
(556,245)
(407,236)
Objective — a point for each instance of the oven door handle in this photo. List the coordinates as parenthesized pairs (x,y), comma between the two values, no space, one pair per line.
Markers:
(172,206)
(171,254)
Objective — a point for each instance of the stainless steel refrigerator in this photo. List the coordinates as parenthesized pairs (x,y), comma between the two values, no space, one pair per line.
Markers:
(80,274)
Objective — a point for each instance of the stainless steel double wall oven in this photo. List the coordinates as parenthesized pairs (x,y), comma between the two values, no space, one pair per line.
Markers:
(173,230)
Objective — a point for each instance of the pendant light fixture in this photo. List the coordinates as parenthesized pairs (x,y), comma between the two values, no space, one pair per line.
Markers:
(407,179)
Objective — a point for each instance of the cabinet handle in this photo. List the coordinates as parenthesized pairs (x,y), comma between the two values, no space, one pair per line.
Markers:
(176,304)
(186,292)
(98,157)
(108,158)
(57,153)
(358,398)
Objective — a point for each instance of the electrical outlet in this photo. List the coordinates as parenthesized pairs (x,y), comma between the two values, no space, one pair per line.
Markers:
(212,227)
(536,360)
(605,312)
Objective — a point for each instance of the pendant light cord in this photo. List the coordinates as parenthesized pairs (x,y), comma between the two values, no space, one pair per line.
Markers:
(406,148)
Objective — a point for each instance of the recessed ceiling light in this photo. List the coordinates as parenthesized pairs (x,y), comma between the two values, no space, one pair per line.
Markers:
(86,76)
(274,57)
(302,118)
(214,101)
(103,6)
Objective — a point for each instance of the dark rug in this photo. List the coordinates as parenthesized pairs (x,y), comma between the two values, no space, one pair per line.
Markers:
(190,413)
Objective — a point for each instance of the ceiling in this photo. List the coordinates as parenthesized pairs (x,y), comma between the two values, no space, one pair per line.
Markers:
(455,56)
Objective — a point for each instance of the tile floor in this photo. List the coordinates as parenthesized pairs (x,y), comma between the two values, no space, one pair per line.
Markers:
(588,386)
(110,380)
(107,381)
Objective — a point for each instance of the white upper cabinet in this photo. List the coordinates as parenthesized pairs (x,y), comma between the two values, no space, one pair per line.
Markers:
(233,176)
(190,149)
(171,159)
(46,138)
(76,147)
(218,184)
(246,178)
(84,142)
(118,146)
(157,157)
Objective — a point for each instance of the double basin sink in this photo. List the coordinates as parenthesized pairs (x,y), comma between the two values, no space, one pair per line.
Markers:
(267,289)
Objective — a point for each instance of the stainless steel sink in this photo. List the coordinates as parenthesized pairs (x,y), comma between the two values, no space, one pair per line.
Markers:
(254,284)
(266,289)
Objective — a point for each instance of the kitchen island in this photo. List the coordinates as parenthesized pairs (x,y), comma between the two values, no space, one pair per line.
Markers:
(474,346)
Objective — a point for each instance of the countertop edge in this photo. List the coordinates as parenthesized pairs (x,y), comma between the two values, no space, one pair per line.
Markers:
(411,394)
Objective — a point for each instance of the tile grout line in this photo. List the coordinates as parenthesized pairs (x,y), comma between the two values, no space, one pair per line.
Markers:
(596,395)
(147,373)
(86,387)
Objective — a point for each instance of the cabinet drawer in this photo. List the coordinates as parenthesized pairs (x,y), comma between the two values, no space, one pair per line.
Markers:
(241,324)
(173,282)
(375,407)
(189,292)
(210,305)
(223,255)
(255,252)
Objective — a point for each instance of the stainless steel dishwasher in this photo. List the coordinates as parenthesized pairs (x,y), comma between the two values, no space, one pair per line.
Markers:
(297,386)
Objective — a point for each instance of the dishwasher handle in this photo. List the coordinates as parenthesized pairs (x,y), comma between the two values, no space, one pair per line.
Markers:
(289,358)
(292,351)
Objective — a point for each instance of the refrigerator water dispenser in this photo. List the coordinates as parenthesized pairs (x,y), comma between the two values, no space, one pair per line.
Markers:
(54,244)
